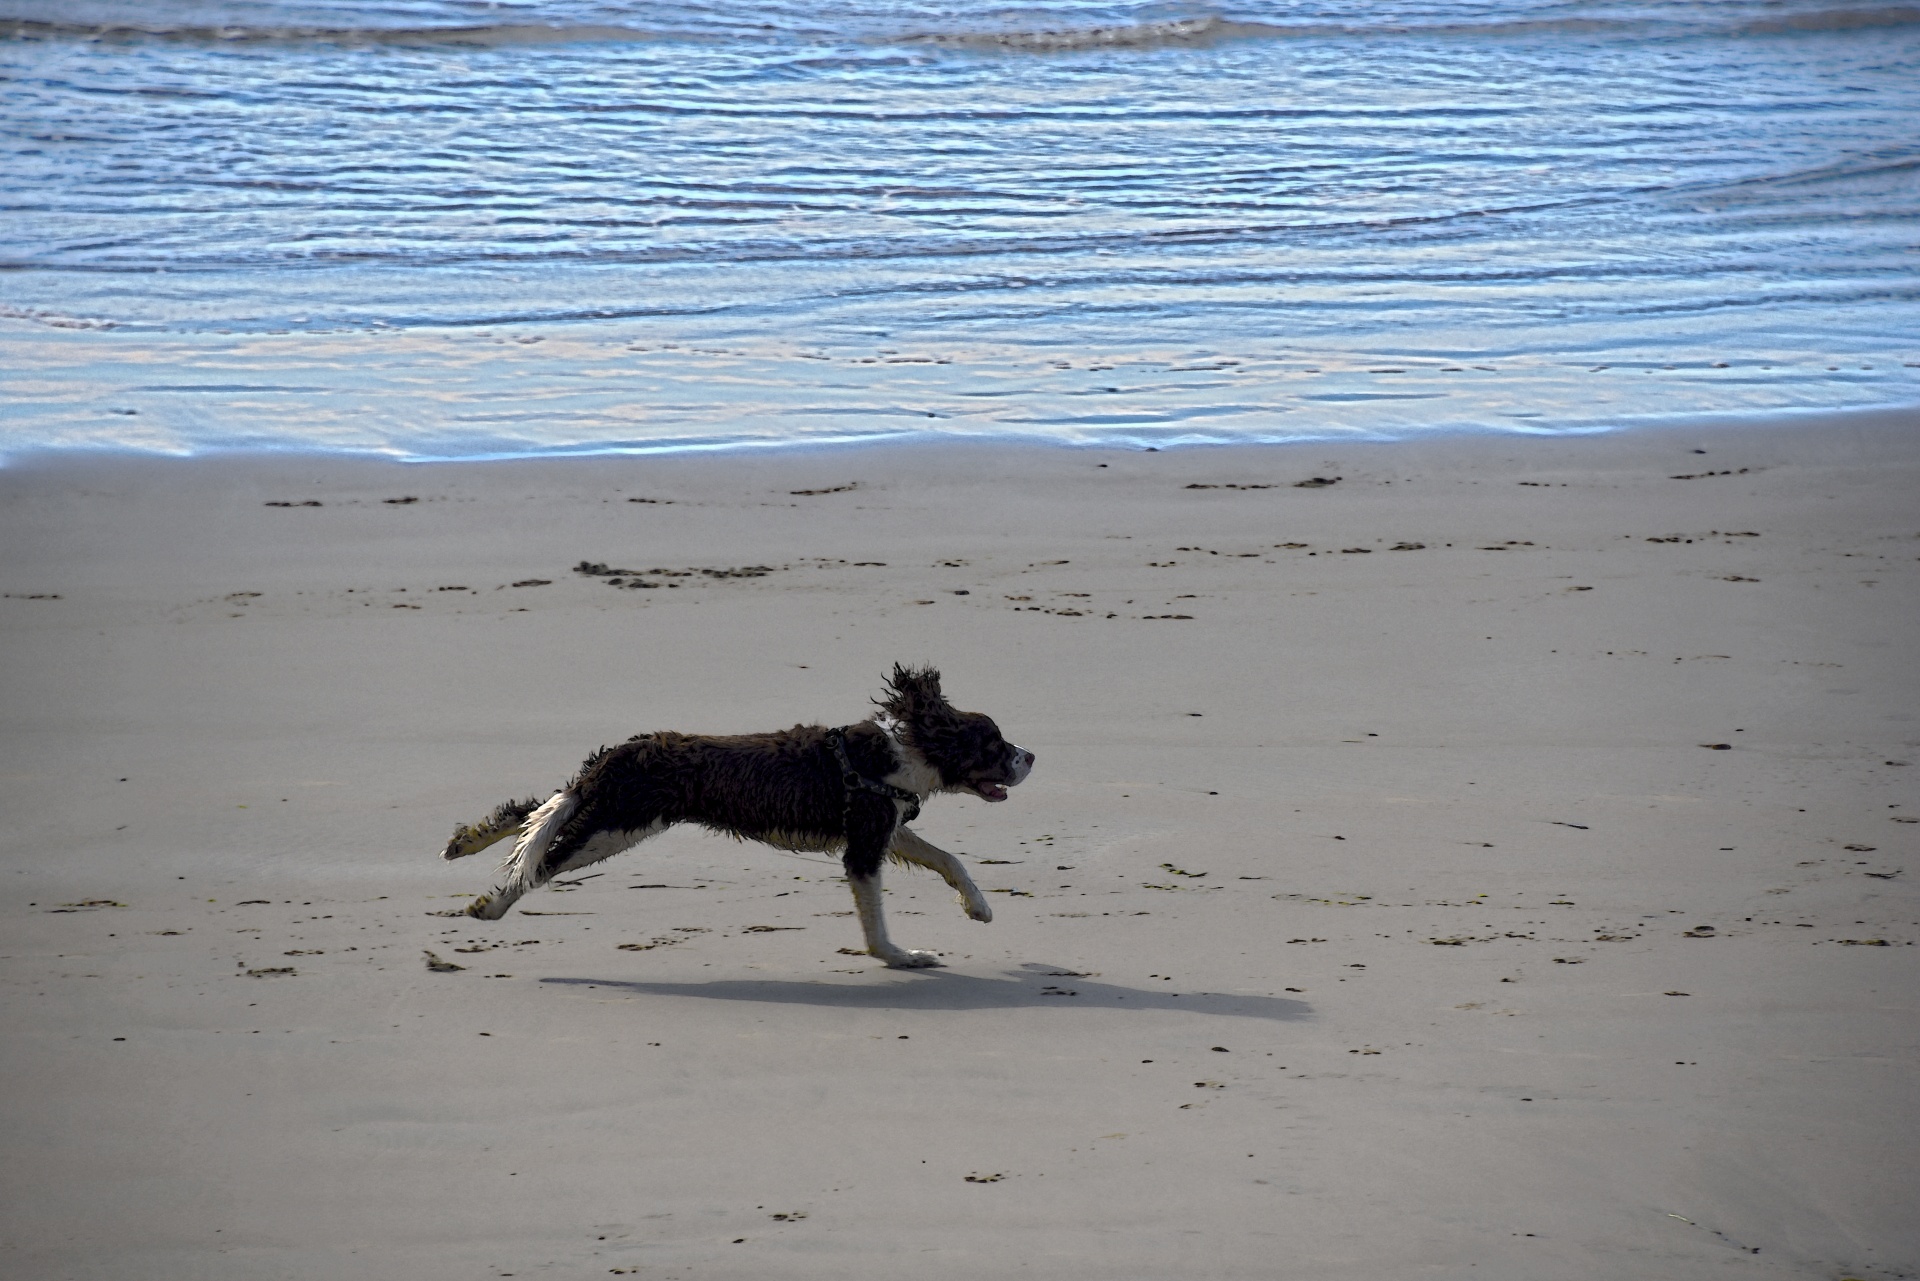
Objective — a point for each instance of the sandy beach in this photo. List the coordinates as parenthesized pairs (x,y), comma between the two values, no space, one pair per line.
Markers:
(1480,857)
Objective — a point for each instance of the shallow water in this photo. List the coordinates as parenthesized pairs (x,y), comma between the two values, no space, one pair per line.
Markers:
(446,229)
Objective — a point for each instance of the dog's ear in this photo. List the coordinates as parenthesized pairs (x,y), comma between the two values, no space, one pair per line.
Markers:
(912,690)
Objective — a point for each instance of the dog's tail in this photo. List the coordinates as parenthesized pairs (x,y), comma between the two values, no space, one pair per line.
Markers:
(505,821)
(522,867)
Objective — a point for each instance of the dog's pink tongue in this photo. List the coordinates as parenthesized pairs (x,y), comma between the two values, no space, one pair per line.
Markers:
(992,792)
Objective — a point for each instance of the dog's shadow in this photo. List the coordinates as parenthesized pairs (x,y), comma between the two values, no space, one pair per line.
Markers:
(939,989)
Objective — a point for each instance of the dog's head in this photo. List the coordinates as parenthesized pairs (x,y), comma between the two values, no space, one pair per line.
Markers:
(965,747)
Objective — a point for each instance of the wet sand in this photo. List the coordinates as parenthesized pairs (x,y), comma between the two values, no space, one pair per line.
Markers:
(1495,860)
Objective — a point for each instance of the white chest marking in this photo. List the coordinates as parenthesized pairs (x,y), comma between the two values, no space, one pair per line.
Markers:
(914,773)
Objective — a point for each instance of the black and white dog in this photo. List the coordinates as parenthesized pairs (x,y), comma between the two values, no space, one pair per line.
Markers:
(851,790)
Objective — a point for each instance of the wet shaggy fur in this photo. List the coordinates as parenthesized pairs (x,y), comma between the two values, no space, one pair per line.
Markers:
(785,788)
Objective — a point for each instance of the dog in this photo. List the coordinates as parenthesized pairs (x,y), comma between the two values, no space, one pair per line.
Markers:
(850,790)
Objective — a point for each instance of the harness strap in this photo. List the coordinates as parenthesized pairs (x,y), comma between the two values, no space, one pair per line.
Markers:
(854,781)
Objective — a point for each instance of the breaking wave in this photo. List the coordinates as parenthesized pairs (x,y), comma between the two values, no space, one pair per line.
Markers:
(1015,32)
(493,36)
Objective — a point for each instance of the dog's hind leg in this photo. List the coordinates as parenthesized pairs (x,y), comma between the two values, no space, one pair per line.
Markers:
(908,847)
(523,869)
(552,845)
(601,845)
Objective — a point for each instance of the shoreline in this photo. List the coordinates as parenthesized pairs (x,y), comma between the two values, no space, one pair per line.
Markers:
(1403,790)
(1789,418)
(433,394)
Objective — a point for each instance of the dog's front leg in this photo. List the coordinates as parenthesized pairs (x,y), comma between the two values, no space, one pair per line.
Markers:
(910,847)
(869,833)
(873,921)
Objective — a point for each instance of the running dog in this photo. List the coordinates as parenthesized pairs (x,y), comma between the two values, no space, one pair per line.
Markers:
(850,791)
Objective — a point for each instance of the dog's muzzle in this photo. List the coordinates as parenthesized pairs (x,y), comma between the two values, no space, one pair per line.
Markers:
(1022,765)
(1019,765)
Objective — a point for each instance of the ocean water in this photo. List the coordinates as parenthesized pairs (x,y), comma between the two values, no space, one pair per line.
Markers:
(464,229)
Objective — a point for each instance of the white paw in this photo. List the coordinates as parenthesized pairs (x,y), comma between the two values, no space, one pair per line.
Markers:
(977,908)
(487,908)
(900,958)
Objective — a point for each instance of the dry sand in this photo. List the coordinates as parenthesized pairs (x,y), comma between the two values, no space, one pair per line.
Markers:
(1370,913)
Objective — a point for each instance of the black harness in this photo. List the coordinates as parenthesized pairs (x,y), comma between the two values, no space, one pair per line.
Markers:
(854,781)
